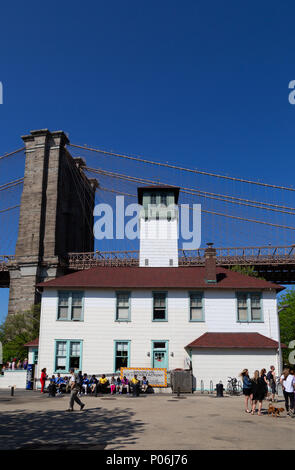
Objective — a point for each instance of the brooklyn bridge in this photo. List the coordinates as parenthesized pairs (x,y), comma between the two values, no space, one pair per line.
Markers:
(50,186)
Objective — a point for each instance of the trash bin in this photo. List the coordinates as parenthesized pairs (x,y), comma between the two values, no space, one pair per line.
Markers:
(219,390)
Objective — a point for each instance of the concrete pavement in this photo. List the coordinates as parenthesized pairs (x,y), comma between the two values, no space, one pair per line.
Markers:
(154,422)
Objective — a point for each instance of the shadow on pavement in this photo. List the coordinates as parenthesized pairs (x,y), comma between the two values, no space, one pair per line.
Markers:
(92,428)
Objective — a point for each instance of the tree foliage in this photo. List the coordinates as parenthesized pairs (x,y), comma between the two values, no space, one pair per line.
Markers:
(247,270)
(18,330)
(287,321)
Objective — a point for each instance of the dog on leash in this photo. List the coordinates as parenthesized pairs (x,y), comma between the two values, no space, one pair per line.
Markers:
(272,410)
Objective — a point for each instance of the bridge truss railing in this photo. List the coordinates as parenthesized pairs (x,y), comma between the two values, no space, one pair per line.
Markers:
(263,255)
(247,256)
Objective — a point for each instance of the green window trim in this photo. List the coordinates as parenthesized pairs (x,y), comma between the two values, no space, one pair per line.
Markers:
(66,355)
(155,294)
(116,341)
(127,307)
(67,303)
(249,305)
(199,295)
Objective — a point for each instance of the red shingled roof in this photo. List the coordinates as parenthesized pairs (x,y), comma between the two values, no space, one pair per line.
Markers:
(191,277)
(34,342)
(234,340)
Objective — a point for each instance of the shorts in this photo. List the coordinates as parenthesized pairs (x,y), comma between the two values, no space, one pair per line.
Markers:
(247,391)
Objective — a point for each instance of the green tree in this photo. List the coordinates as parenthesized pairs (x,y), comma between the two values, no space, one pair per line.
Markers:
(287,321)
(18,330)
(247,270)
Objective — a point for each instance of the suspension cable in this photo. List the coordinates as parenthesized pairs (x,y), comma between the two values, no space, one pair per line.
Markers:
(214,213)
(6,155)
(205,194)
(176,167)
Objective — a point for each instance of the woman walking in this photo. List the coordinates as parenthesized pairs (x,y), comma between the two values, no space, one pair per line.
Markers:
(286,381)
(259,391)
(43,379)
(247,389)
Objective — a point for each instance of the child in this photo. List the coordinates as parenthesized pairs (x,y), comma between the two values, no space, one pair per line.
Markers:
(144,384)
(113,385)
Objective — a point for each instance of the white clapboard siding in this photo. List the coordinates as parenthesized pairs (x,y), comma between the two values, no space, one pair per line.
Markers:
(158,242)
(219,364)
(99,329)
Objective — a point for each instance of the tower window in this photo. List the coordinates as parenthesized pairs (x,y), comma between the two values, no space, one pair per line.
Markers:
(164,199)
(153,199)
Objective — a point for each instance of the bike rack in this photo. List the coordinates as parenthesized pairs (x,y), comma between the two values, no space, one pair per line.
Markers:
(202,386)
(211,386)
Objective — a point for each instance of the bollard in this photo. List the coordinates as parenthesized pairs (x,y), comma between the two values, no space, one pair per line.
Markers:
(219,390)
(202,386)
(12,391)
(178,391)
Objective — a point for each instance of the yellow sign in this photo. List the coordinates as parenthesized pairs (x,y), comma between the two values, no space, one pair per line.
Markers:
(156,377)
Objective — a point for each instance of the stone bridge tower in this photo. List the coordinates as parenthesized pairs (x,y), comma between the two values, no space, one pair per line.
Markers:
(56,216)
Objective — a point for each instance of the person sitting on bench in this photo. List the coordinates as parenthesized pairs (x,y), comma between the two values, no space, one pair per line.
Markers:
(102,385)
(85,384)
(144,384)
(93,383)
(135,386)
(124,384)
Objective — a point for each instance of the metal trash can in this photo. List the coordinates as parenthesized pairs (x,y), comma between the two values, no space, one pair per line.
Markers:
(219,390)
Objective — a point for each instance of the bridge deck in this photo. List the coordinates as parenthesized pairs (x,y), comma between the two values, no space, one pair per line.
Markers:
(274,263)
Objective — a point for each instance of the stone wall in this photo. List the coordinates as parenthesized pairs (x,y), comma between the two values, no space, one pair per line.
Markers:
(56,215)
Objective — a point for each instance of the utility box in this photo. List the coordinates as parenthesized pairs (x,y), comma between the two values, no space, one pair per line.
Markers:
(182,381)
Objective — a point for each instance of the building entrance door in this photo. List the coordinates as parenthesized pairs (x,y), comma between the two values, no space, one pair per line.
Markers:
(160,354)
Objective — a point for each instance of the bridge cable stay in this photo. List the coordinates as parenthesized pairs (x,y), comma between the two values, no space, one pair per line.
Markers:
(219,197)
(215,213)
(167,165)
(11,183)
(270,203)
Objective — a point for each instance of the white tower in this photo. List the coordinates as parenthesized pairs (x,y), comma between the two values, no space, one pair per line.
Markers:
(158,226)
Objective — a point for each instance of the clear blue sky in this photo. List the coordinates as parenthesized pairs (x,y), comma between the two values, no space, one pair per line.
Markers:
(201,83)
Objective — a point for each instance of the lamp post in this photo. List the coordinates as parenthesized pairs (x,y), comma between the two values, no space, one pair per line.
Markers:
(279,310)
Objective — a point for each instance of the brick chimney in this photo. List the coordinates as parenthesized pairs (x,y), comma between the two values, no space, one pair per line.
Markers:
(210,264)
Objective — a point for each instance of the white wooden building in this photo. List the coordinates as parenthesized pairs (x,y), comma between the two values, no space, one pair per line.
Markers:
(159,315)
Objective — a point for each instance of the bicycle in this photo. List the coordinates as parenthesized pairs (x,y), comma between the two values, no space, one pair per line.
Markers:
(233,386)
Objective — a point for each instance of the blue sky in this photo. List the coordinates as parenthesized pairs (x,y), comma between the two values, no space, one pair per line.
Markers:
(200,83)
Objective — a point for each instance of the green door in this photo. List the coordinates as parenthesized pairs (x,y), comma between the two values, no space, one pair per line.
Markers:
(160,354)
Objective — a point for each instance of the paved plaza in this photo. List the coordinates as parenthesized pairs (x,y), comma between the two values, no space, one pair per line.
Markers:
(155,422)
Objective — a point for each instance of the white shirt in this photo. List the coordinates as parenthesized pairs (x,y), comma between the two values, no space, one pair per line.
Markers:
(288,383)
(73,379)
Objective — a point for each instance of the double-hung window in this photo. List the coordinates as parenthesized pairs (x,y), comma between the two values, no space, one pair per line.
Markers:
(70,305)
(123,306)
(160,306)
(196,306)
(122,353)
(249,307)
(67,355)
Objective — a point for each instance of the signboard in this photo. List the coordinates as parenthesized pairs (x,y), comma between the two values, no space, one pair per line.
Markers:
(29,378)
(156,377)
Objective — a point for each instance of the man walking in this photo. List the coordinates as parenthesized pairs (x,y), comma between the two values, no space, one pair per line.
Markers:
(75,388)
(271,380)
